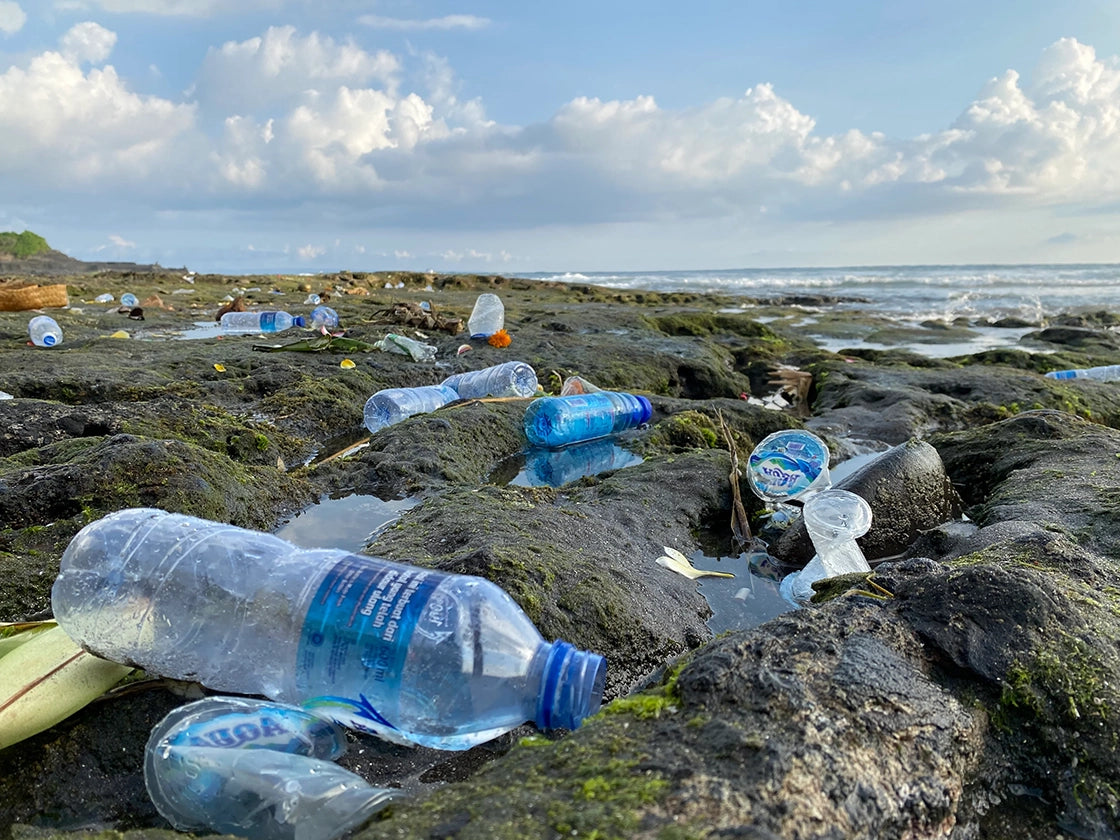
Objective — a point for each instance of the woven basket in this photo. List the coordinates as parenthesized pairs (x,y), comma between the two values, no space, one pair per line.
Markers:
(19,298)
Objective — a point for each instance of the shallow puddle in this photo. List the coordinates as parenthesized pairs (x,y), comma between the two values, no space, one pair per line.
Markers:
(749,599)
(536,467)
(350,523)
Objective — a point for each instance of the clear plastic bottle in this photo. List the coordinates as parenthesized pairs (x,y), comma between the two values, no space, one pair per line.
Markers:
(259,322)
(130,300)
(255,769)
(487,317)
(413,655)
(392,405)
(510,379)
(44,331)
(557,421)
(323,316)
(1104,373)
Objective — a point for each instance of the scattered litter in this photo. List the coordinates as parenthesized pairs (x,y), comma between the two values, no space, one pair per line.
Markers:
(4,395)
(499,339)
(404,345)
(120,334)
(129,299)
(312,300)
(183,292)
(347,364)
(219,367)
(463,348)
(410,314)
(105,298)
(677,562)
(577,385)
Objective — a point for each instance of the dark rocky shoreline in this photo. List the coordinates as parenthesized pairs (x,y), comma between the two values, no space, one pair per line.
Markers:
(977,698)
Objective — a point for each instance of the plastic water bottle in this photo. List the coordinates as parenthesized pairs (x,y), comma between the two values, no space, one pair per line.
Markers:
(44,331)
(324,316)
(487,317)
(511,379)
(413,655)
(557,421)
(834,519)
(259,322)
(392,405)
(1104,373)
(255,769)
(130,300)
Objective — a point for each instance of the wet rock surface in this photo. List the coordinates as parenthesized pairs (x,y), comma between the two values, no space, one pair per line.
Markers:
(966,688)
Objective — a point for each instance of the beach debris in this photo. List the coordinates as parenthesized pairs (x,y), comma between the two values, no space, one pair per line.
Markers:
(235,305)
(45,678)
(4,395)
(416,315)
(394,343)
(499,339)
(463,348)
(321,343)
(576,384)
(347,364)
(740,523)
(219,367)
(104,298)
(677,562)
(119,334)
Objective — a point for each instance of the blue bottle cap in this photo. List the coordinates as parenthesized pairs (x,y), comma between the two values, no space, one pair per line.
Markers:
(788,464)
(571,686)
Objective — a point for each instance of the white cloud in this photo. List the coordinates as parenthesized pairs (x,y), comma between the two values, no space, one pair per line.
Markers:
(121,242)
(310,252)
(12,17)
(63,126)
(281,66)
(87,42)
(409,24)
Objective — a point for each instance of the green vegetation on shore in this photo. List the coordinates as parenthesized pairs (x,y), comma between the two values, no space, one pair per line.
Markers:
(22,245)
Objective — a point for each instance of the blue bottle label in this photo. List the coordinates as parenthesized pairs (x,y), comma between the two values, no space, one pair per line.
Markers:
(278,729)
(355,639)
(268,322)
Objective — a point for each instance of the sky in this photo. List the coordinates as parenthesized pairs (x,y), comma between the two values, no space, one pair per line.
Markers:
(260,136)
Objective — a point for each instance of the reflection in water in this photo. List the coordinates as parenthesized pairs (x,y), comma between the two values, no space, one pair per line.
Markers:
(557,467)
(350,523)
(749,599)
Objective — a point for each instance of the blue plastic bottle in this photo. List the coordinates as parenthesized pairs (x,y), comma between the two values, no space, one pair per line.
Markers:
(410,654)
(256,769)
(1104,373)
(557,421)
(324,316)
(259,322)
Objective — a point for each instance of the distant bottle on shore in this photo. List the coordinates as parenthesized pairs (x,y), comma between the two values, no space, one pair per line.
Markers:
(487,317)
(1104,373)
(260,322)
(324,316)
(44,331)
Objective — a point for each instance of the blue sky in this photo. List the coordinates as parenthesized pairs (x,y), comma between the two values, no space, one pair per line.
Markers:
(309,135)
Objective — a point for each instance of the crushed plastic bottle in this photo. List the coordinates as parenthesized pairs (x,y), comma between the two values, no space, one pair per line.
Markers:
(323,316)
(392,405)
(834,519)
(510,379)
(1104,373)
(558,421)
(411,654)
(259,322)
(130,300)
(487,317)
(255,769)
(44,331)
(105,297)
(394,343)
(787,465)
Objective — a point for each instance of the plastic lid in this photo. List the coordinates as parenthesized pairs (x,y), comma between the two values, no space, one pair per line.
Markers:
(299,321)
(788,464)
(647,409)
(571,686)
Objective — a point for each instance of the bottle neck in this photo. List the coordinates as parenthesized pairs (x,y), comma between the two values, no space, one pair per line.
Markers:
(571,685)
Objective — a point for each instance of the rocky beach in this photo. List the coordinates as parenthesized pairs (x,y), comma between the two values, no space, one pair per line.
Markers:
(968,687)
